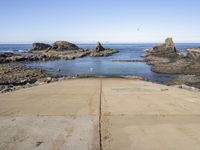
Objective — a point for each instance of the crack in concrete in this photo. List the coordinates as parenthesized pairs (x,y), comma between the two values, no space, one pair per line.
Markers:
(100,117)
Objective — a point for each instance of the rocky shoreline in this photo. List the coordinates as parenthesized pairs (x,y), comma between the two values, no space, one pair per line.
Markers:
(166,59)
(59,50)
(13,76)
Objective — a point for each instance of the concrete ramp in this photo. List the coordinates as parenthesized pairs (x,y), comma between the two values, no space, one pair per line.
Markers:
(100,114)
(57,116)
(139,115)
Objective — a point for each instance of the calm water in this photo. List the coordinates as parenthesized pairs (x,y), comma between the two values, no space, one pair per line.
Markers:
(101,66)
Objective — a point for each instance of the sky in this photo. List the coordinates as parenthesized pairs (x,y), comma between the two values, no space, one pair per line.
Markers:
(88,21)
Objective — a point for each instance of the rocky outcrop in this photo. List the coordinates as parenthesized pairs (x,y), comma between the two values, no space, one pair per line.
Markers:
(59,50)
(100,51)
(40,46)
(64,45)
(165,58)
(166,50)
(14,77)
(44,56)
(4,56)
(99,47)
(194,54)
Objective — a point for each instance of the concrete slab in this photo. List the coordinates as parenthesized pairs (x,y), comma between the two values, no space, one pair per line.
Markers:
(49,133)
(57,116)
(70,97)
(145,116)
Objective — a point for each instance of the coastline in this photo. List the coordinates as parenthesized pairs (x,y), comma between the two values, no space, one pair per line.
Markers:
(28,76)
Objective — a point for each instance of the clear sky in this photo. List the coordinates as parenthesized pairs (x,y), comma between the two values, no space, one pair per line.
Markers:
(86,21)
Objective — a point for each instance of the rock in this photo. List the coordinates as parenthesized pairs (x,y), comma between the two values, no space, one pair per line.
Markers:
(99,47)
(4,57)
(49,79)
(186,87)
(100,51)
(11,74)
(8,54)
(40,46)
(165,58)
(194,54)
(45,55)
(189,80)
(174,67)
(64,45)
(167,50)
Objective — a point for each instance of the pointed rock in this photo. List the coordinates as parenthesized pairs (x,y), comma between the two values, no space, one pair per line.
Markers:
(99,47)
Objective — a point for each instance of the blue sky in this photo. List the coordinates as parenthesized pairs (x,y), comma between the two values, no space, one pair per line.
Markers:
(88,21)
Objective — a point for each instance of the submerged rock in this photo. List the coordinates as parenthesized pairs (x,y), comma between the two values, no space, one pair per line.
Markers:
(64,45)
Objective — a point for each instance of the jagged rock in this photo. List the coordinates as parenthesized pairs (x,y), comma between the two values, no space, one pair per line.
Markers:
(100,51)
(167,50)
(40,46)
(165,58)
(194,54)
(99,47)
(64,45)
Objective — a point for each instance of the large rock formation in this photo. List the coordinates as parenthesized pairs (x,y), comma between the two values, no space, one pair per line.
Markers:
(40,46)
(100,51)
(64,45)
(165,58)
(167,50)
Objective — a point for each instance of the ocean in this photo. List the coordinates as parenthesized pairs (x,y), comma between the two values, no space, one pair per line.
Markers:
(100,66)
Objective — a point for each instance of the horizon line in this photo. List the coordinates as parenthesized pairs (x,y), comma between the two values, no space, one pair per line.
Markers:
(1,43)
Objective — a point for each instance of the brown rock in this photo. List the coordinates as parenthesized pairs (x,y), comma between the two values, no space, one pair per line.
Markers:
(194,54)
(64,45)
(167,49)
(40,46)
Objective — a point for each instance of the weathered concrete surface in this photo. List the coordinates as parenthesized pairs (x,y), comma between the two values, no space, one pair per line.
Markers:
(144,116)
(134,115)
(56,116)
